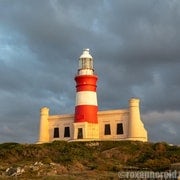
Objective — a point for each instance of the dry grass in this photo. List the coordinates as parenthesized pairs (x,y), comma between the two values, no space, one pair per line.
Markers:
(76,159)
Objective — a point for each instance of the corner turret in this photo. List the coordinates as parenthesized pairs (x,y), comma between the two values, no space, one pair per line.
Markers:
(44,126)
(136,127)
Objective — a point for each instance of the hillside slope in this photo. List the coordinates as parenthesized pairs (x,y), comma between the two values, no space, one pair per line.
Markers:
(62,158)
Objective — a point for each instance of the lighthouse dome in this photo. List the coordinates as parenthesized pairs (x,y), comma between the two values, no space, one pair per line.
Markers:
(85,54)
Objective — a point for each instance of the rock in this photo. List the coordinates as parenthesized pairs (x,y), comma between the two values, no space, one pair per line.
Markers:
(38,164)
(14,171)
(52,164)
(34,168)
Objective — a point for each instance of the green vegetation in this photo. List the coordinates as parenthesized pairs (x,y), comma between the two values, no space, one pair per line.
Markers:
(111,156)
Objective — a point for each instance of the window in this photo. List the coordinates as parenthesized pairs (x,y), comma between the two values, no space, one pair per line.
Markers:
(107,129)
(119,128)
(66,132)
(80,133)
(87,63)
(56,132)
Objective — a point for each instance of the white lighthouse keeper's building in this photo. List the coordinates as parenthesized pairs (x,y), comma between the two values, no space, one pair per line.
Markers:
(87,123)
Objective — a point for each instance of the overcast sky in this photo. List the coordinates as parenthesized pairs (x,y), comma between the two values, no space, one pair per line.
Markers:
(136,49)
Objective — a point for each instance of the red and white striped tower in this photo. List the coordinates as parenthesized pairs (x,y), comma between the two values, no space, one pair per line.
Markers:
(86,98)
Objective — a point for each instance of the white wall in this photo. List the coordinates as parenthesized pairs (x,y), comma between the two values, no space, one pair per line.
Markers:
(61,121)
(112,117)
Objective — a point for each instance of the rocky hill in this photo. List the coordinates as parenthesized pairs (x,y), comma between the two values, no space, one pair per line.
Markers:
(63,160)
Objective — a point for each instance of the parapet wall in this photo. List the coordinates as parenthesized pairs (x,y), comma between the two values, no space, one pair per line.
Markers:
(119,124)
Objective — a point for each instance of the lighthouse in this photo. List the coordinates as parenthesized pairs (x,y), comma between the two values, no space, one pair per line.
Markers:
(86,106)
(87,123)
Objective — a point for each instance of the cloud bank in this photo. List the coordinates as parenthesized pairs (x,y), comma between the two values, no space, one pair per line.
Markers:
(135,45)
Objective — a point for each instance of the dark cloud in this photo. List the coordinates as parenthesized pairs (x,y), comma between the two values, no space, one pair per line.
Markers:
(135,45)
